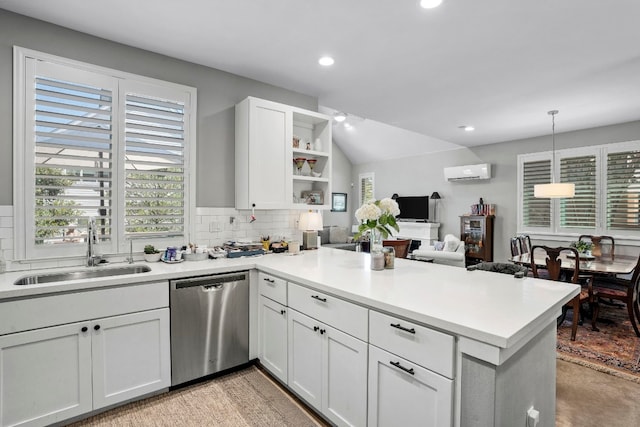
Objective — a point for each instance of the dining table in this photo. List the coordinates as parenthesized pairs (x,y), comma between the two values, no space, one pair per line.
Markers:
(588,264)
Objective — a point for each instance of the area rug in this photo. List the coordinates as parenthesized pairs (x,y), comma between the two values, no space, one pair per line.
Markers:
(244,398)
(615,349)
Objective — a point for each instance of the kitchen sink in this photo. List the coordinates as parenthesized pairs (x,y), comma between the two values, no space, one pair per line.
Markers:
(82,274)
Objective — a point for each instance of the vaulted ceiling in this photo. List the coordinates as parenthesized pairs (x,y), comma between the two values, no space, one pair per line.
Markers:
(498,65)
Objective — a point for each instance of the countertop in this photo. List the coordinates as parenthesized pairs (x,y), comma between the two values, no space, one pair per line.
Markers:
(493,308)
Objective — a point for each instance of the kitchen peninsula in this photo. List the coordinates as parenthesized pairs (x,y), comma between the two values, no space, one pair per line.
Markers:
(479,346)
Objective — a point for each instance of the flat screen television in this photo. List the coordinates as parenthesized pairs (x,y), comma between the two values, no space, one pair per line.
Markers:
(413,208)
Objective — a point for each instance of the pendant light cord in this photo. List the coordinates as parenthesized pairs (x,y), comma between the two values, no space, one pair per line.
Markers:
(553,113)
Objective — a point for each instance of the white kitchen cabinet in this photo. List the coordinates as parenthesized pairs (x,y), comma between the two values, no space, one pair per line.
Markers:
(272,339)
(328,369)
(82,351)
(402,393)
(131,356)
(51,374)
(45,375)
(265,172)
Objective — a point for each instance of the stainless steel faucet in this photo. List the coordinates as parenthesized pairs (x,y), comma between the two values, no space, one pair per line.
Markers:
(92,241)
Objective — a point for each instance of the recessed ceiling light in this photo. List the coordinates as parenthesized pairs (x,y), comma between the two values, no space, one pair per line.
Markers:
(326,61)
(467,128)
(430,4)
(340,117)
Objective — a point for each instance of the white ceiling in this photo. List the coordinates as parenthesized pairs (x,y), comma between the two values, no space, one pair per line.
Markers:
(498,65)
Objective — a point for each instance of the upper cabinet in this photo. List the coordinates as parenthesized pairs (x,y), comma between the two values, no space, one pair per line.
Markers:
(283,156)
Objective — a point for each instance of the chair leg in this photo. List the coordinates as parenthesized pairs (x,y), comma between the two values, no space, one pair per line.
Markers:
(632,318)
(576,317)
(595,307)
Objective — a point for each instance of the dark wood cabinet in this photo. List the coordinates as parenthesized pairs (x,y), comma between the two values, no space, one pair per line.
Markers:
(476,231)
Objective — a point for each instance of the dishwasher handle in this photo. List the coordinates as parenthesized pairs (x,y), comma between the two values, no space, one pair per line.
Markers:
(208,281)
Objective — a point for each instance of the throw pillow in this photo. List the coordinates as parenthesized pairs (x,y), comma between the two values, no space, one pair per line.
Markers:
(324,235)
(438,246)
(450,246)
(338,235)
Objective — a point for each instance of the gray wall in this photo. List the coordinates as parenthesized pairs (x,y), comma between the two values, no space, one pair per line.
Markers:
(341,183)
(421,175)
(218,92)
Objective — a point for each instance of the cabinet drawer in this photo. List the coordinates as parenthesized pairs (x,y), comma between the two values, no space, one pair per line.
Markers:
(333,311)
(273,287)
(426,347)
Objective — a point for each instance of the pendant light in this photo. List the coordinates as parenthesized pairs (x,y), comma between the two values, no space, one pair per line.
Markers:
(554,190)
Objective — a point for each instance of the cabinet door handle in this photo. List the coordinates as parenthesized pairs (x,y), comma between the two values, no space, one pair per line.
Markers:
(84,329)
(322,331)
(315,329)
(96,328)
(402,328)
(399,366)
(282,312)
(319,298)
(266,279)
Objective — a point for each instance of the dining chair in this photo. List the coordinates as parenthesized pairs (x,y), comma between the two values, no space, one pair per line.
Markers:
(619,289)
(553,269)
(602,246)
(515,246)
(400,246)
(525,243)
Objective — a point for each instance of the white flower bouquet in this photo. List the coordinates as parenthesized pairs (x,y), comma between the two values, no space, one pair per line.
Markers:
(378,216)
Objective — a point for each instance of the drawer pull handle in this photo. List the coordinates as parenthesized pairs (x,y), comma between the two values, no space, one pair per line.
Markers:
(402,328)
(315,328)
(266,279)
(319,298)
(399,366)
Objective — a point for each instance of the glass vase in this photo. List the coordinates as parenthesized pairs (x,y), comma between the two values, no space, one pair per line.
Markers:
(377,256)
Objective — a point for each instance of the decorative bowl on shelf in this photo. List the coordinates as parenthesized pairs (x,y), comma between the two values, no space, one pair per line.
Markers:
(316,174)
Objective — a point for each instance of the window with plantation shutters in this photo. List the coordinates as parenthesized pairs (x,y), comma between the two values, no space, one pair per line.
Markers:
(579,212)
(623,190)
(154,167)
(95,142)
(536,212)
(366,188)
(607,193)
(73,160)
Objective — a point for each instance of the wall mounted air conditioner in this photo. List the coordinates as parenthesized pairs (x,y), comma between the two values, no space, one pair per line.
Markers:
(468,172)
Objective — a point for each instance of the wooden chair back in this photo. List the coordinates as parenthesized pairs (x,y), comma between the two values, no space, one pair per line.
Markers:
(514,242)
(525,243)
(400,246)
(553,262)
(602,246)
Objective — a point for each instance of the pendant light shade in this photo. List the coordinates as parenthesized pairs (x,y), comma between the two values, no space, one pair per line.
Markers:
(554,190)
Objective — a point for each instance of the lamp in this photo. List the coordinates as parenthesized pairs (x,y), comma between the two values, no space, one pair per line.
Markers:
(554,190)
(310,222)
(435,196)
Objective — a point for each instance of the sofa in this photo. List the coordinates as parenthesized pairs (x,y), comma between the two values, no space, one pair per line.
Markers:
(451,251)
(337,238)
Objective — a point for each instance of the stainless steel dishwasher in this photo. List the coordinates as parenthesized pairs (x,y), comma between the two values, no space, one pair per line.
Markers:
(209,324)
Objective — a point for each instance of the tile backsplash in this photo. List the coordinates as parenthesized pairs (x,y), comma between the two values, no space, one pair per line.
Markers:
(213,226)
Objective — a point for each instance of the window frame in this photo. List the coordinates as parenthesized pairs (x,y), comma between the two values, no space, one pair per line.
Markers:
(25,248)
(555,231)
(361,178)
